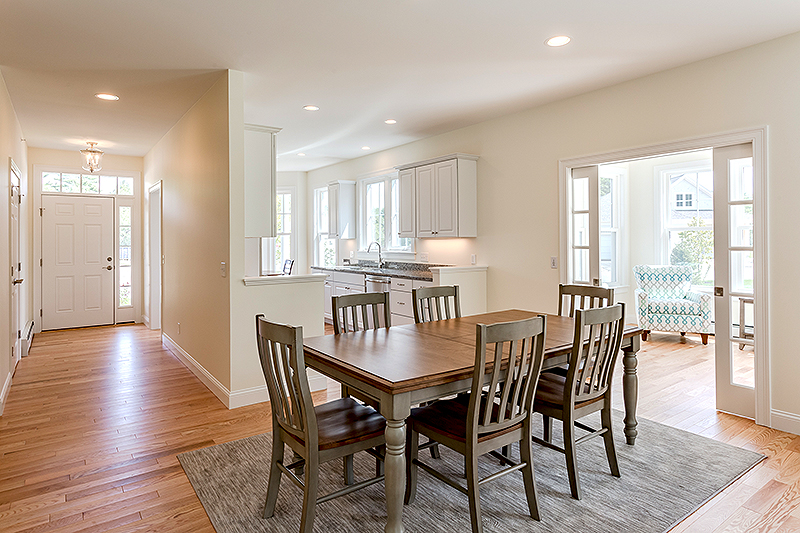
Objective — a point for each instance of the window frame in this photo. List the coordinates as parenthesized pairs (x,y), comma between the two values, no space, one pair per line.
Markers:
(390,252)
(318,218)
(268,244)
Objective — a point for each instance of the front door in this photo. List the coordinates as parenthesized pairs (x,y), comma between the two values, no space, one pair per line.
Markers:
(77,261)
(734,261)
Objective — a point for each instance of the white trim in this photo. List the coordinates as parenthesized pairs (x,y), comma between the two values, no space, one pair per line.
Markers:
(261,129)
(783,421)
(146,321)
(213,384)
(457,155)
(281,279)
(459,269)
(5,391)
(756,136)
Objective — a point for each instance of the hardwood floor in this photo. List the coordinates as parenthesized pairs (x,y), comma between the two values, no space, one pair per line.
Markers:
(96,417)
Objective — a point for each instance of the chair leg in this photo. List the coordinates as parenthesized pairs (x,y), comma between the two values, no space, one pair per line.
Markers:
(608,439)
(435,451)
(473,492)
(645,333)
(412,452)
(704,338)
(572,459)
(310,494)
(274,474)
(348,469)
(528,477)
(547,424)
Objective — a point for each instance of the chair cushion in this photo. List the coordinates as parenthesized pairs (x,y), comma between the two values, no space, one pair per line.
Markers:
(674,306)
(664,282)
(346,421)
(550,391)
(449,418)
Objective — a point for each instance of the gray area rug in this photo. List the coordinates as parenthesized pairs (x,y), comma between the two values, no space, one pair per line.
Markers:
(667,475)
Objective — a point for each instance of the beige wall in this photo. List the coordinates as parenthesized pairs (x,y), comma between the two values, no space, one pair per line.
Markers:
(12,146)
(518,194)
(192,163)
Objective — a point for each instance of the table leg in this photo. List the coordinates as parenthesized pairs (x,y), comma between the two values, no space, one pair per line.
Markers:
(395,470)
(630,388)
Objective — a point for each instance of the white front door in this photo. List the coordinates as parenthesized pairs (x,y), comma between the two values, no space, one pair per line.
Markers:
(77,261)
(15,333)
(734,261)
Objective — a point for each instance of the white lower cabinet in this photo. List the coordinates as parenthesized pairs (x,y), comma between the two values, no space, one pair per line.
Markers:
(401,299)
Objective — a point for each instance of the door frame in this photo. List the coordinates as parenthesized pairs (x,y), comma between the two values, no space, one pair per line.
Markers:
(136,242)
(15,305)
(758,137)
(153,264)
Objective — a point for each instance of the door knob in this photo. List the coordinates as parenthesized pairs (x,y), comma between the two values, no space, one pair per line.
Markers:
(17,281)
(109,258)
(109,267)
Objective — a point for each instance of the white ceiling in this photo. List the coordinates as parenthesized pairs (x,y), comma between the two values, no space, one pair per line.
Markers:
(433,65)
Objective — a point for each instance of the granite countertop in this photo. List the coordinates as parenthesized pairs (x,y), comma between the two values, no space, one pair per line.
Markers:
(371,270)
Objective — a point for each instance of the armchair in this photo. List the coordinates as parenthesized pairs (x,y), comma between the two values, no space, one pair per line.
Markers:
(665,301)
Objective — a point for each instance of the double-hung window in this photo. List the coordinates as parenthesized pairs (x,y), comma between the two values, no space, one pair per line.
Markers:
(324,245)
(282,247)
(379,206)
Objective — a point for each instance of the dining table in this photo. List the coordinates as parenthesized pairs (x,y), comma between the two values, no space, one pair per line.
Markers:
(402,366)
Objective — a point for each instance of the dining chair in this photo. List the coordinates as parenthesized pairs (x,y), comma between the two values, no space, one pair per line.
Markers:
(582,297)
(508,357)
(434,303)
(585,388)
(317,434)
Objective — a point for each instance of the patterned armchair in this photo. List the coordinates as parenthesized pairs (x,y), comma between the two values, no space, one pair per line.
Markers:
(665,301)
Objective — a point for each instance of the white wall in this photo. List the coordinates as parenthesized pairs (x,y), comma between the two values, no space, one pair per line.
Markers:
(12,147)
(518,198)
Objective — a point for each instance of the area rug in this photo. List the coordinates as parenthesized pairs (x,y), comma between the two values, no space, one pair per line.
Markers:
(666,476)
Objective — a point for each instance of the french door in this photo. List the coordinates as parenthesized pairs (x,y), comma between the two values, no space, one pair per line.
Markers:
(734,279)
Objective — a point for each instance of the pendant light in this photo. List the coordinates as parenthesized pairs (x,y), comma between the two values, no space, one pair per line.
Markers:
(92,158)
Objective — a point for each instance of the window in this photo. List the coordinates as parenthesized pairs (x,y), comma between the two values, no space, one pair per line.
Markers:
(379,205)
(686,227)
(282,247)
(66,182)
(324,246)
(611,183)
(125,265)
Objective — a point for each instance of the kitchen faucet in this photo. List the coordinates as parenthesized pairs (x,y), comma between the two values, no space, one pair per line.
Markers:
(380,257)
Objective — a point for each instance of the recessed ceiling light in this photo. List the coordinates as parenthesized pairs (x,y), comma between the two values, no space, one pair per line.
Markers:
(107,96)
(301,154)
(390,121)
(311,108)
(365,147)
(558,40)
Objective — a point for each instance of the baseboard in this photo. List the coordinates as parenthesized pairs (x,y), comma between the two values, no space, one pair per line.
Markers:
(240,398)
(146,321)
(213,384)
(788,422)
(4,392)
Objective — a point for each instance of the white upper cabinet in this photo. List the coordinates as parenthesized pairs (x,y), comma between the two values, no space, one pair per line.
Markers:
(446,193)
(407,203)
(342,209)
(259,181)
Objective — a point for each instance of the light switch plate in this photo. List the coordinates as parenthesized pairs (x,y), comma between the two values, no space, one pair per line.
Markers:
(473,259)
(223,269)
(423,256)
(553,262)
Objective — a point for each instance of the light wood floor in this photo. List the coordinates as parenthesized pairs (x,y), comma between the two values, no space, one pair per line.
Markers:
(96,417)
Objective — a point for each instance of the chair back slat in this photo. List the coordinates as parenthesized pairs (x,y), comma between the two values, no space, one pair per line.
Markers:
(280,349)
(582,297)
(596,344)
(374,311)
(436,303)
(511,354)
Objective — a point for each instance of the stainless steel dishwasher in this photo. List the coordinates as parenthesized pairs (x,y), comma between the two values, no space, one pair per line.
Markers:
(378,284)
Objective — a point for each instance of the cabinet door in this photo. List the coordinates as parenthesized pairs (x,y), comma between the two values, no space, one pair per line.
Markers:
(446,188)
(407,201)
(426,201)
(333,209)
(327,307)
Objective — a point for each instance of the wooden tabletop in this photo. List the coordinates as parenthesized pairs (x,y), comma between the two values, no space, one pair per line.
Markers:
(415,356)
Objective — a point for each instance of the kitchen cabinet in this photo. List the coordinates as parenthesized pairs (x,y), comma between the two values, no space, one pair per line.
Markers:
(259,181)
(328,292)
(342,209)
(401,299)
(445,192)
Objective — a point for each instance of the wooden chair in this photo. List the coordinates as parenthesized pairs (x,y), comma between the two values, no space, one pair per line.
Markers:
(434,303)
(489,419)
(374,305)
(582,297)
(317,434)
(586,387)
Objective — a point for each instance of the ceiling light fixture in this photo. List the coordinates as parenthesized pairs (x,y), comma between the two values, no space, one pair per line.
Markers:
(390,121)
(107,96)
(92,158)
(301,154)
(365,147)
(311,108)
(558,40)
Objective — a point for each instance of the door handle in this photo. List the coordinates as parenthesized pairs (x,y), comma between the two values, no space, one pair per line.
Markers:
(718,291)
(17,281)
(109,258)
(109,267)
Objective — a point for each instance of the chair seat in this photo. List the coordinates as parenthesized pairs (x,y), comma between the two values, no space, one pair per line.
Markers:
(345,421)
(449,417)
(674,306)
(550,391)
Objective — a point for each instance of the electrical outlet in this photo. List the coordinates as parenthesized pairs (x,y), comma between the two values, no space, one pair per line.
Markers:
(223,269)
(179,328)
(352,254)
(553,262)
(423,256)
(473,259)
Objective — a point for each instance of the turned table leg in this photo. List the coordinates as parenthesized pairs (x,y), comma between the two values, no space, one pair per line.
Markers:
(395,470)
(630,388)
